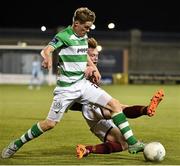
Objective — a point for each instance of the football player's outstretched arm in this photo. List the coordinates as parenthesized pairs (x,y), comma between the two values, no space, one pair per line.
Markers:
(46,53)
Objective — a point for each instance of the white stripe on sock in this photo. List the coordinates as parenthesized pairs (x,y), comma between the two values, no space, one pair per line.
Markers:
(123,125)
(30,134)
(39,127)
(128,134)
(23,139)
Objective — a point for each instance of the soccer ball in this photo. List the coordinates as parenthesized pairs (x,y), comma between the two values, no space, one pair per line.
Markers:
(154,151)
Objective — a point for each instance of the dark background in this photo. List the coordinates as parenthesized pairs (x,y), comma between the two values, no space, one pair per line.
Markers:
(159,16)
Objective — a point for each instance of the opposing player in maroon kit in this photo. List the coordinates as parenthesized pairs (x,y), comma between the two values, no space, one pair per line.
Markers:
(104,128)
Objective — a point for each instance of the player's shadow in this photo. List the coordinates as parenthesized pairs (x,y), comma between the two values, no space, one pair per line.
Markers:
(52,151)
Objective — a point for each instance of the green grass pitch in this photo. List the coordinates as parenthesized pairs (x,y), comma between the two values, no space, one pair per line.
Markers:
(20,108)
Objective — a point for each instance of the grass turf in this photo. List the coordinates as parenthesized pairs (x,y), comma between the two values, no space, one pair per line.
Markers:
(20,108)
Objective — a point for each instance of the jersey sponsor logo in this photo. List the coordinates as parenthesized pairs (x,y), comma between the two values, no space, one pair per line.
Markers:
(82,50)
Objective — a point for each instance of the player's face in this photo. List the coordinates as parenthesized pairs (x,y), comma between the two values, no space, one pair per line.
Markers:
(82,29)
(93,54)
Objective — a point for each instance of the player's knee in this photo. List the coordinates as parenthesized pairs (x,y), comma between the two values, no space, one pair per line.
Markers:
(47,124)
(115,105)
(106,113)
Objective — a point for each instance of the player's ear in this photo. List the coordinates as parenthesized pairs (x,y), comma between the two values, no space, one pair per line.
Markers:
(76,23)
(88,51)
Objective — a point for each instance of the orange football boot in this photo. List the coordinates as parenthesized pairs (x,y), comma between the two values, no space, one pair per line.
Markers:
(156,99)
(81,151)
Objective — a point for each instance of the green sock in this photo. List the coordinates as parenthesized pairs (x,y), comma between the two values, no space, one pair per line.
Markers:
(32,133)
(120,121)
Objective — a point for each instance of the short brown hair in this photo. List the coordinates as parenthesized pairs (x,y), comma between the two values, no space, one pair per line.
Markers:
(92,43)
(83,15)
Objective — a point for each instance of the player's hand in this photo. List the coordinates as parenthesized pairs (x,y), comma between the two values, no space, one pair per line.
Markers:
(47,61)
(97,77)
(44,64)
(89,72)
(92,75)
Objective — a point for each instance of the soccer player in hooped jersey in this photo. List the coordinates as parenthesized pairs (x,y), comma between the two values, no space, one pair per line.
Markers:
(72,86)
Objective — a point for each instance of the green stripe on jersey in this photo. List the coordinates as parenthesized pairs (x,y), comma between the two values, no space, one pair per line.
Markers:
(66,84)
(73,58)
(63,83)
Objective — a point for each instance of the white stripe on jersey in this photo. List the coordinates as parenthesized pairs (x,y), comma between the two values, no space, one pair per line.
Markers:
(74,37)
(74,66)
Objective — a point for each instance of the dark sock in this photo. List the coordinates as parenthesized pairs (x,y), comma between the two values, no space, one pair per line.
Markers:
(105,148)
(135,111)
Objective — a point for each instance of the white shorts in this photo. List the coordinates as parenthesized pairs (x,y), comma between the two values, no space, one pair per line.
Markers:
(82,91)
(97,123)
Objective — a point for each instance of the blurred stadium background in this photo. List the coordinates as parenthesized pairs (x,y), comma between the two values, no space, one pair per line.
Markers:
(127,57)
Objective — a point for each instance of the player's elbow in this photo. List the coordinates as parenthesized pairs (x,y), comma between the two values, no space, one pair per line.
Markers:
(42,53)
(47,51)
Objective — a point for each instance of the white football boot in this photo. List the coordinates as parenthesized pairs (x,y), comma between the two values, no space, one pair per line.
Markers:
(9,151)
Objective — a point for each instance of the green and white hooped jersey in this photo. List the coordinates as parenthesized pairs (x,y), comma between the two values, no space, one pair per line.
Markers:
(72,56)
